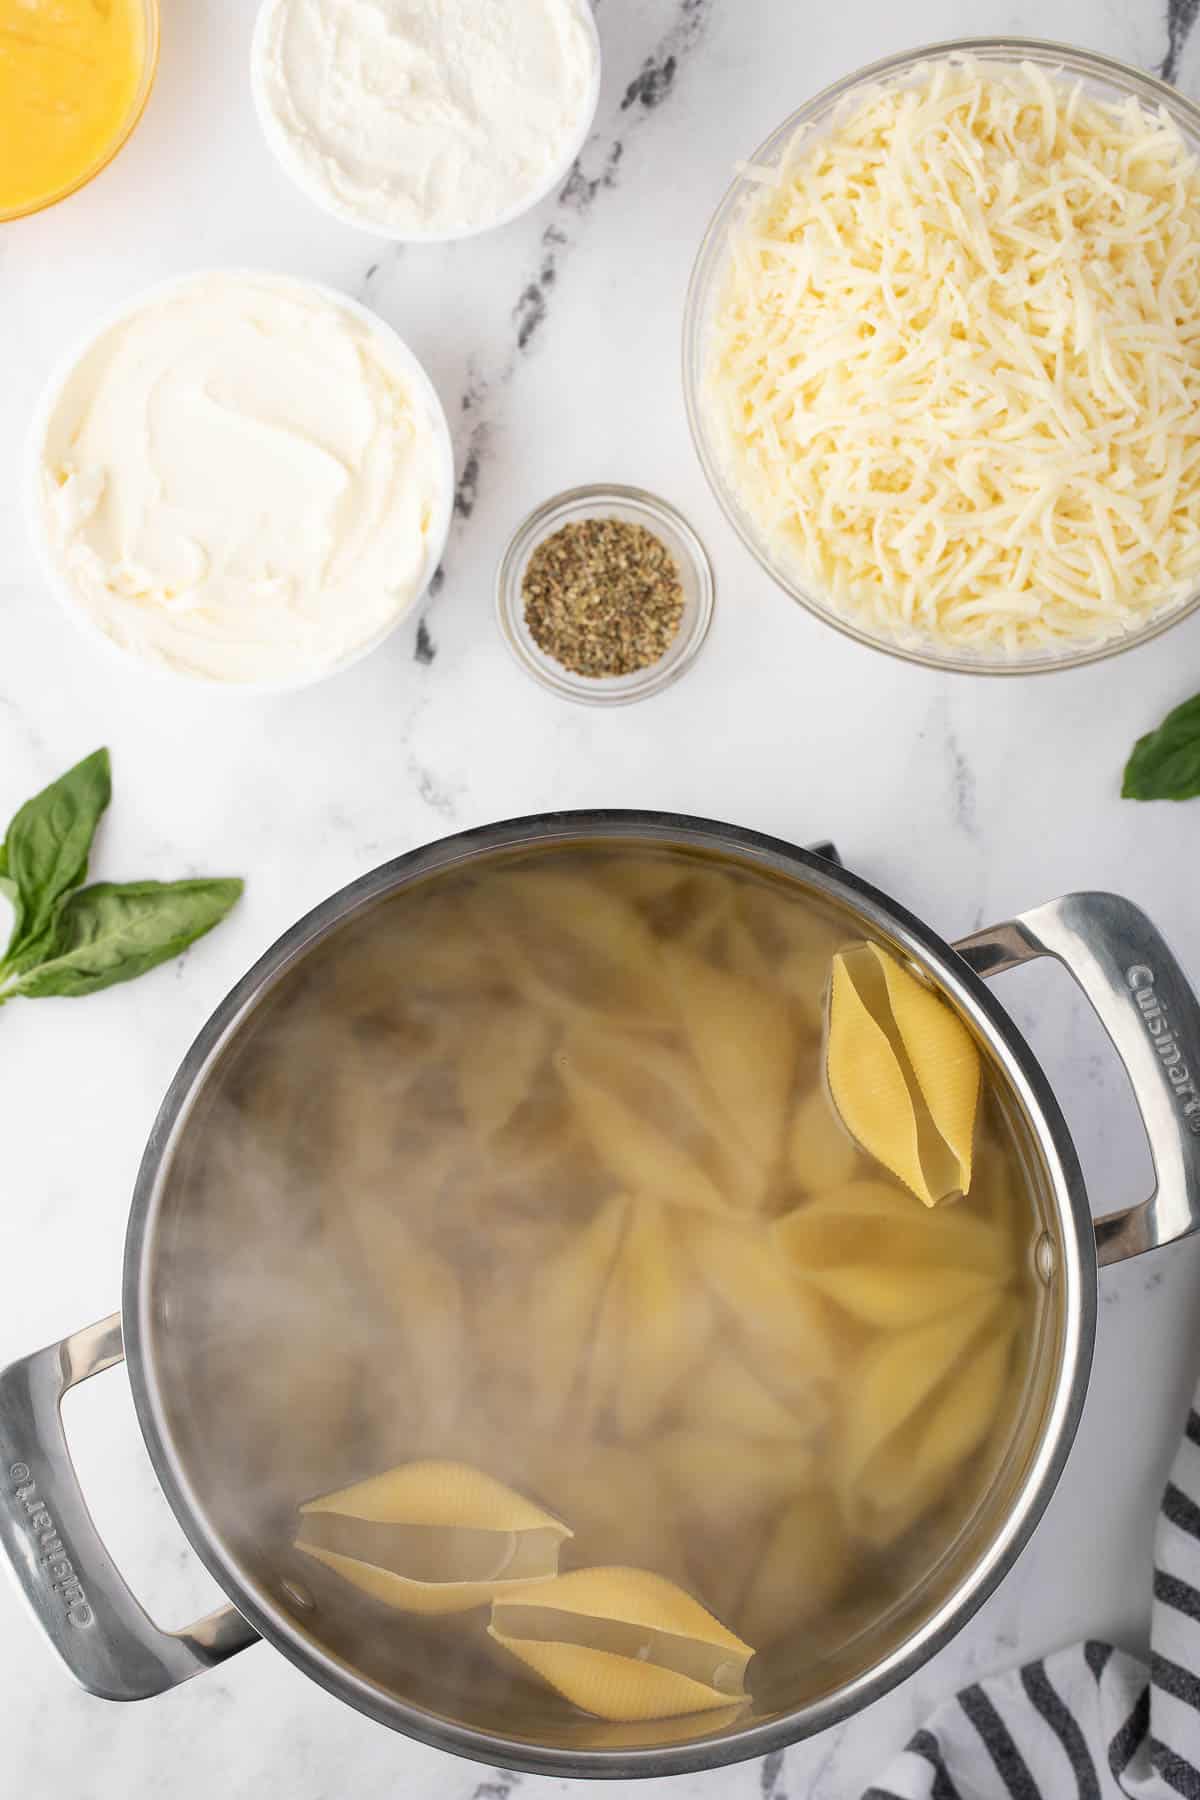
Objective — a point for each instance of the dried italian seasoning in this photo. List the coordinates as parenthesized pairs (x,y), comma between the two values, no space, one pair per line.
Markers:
(602,597)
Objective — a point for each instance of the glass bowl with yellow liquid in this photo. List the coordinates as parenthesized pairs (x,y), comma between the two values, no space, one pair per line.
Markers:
(75,77)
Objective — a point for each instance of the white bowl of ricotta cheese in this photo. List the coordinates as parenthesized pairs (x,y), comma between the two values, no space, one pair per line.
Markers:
(425,121)
(240,478)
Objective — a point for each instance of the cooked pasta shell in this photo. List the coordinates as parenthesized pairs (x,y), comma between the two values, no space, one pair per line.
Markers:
(742,1038)
(726,1482)
(913,1470)
(648,1119)
(432,1537)
(577,948)
(803,974)
(498,1063)
(623,1644)
(727,1397)
(805,1563)
(891,1298)
(872,1222)
(743,955)
(426,1300)
(645,876)
(561,1310)
(820,1153)
(667,1318)
(898,1373)
(617,1502)
(904,1073)
(781,1325)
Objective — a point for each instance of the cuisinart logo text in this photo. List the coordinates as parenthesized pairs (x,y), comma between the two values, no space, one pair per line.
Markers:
(1141,980)
(59,1567)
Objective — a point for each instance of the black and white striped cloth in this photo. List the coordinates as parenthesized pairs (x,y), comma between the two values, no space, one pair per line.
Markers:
(1088,1723)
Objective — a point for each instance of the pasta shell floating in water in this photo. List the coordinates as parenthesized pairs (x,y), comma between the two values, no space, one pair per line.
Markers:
(623,1644)
(426,1299)
(781,1326)
(557,1317)
(742,1039)
(803,974)
(577,948)
(649,1120)
(921,1402)
(726,1482)
(432,1537)
(805,1563)
(872,1223)
(913,1472)
(728,1397)
(665,1318)
(498,1063)
(820,1153)
(904,1073)
(617,1503)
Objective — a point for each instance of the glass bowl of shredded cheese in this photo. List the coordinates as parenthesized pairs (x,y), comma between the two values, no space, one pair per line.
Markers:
(942,356)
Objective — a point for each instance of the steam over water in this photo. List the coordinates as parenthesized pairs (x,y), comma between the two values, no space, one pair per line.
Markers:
(497,1176)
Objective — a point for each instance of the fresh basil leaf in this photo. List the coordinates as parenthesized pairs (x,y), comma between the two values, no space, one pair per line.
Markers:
(46,851)
(114,931)
(1165,764)
(8,887)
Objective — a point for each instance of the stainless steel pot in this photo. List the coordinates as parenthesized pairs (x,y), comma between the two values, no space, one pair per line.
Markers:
(112,1647)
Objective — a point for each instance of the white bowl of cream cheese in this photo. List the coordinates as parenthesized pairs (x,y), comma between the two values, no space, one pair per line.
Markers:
(426,120)
(241,478)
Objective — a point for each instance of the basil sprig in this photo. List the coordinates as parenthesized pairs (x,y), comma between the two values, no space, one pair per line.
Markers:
(1165,764)
(68,939)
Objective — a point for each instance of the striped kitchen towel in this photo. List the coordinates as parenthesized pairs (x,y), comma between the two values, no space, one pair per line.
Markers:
(1088,1723)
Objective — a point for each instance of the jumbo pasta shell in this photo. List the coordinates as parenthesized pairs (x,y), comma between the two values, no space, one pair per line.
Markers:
(617,1503)
(577,947)
(820,1152)
(725,1482)
(904,1073)
(647,1118)
(561,1310)
(741,1036)
(432,1537)
(425,1296)
(805,1563)
(898,1373)
(944,1058)
(780,1324)
(890,1298)
(726,1397)
(623,1644)
(498,1063)
(666,1318)
(872,1222)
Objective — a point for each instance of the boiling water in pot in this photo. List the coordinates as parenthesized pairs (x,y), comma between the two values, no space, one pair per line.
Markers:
(532,1168)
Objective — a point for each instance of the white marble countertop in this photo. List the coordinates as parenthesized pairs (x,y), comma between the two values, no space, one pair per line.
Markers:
(555,345)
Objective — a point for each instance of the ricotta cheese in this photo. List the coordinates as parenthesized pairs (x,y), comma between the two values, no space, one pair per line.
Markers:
(243,479)
(425,118)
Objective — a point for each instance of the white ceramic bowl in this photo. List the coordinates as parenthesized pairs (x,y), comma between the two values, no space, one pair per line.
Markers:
(292,166)
(60,584)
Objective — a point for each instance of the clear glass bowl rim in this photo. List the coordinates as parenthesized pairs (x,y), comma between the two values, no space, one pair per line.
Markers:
(1046,52)
(151,12)
(537,524)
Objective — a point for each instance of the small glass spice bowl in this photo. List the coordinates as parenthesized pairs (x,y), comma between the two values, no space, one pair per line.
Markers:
(636,508)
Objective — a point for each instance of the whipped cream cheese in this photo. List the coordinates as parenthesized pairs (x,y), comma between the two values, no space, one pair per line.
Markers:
(244,479)
(425,118)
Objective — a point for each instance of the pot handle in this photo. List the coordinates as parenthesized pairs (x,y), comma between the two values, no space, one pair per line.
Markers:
(107,1640)
(1146,1004)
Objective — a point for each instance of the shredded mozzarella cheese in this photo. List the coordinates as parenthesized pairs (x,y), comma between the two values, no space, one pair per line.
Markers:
(954,365)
